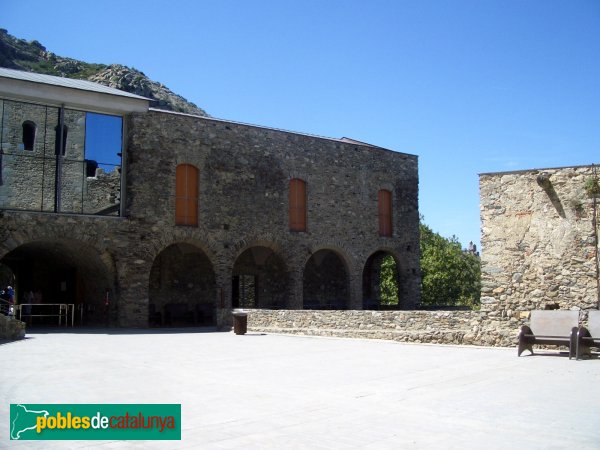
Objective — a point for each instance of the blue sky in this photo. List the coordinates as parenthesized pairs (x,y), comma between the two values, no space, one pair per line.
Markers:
(469,86)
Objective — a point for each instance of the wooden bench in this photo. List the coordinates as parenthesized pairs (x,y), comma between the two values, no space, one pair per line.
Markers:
(553,327)
(588,337)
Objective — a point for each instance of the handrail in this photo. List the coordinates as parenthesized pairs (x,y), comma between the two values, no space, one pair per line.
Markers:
(64,310)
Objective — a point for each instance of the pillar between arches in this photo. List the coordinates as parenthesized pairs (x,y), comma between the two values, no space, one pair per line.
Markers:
(355,288)
(131,305)
(223,299)
(296,290)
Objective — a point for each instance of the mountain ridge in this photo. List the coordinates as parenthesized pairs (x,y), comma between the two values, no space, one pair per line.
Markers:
(32,56)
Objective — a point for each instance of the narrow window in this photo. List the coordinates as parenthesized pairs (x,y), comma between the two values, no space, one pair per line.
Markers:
(297,205)
(28,135)
(58,149)
(385,213)
(90,167)
(186,195)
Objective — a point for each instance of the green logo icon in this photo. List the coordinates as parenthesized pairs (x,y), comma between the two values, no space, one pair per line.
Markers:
(95,421)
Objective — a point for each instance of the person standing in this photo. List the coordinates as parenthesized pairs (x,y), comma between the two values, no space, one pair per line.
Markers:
(10,293)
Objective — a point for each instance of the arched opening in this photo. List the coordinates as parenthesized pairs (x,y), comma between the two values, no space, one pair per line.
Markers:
(48,274)
(380,282)
(259,280)
(182,288)
(325,282)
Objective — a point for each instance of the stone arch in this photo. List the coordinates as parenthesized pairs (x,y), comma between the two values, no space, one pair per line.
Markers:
(337,248)
(376,294)
(326,280)
(183,235)
(263,241)
(182,287)
(67,271)
(260,277)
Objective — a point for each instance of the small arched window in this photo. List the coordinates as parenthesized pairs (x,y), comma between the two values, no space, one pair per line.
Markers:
(58,148)
(186,195)
(297,205)
(29,129)
(384,200)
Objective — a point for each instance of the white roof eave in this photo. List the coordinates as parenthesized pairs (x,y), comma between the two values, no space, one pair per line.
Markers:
(71,98)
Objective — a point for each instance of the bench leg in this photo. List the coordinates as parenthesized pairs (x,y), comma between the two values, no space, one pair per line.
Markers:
(573,343)
(525,343)
(524,346)
(583,349)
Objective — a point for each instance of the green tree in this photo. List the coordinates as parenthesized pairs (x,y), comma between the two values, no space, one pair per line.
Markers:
(389,285)
(450,276)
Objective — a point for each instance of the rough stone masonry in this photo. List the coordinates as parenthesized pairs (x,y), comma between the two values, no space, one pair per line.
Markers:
(539,241)
(539,251)
(119,252)
(116,249)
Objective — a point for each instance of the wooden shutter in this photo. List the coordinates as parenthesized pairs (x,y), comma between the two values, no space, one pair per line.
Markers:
(385,213)
(186,195)
(297,205)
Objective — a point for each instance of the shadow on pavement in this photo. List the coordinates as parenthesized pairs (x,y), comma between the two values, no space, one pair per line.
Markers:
(103,330)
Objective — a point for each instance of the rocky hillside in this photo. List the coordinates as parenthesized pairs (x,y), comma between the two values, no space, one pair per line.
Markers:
(33,57)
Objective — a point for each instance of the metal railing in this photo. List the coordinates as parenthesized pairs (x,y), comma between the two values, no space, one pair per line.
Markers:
(61,311)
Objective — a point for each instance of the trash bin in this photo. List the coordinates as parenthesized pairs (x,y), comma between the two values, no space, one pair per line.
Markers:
(240,322)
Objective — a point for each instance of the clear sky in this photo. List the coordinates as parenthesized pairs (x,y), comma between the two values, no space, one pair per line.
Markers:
(469,86)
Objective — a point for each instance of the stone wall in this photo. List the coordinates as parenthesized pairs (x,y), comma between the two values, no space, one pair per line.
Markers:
(432,327)
(243,225)
(481,328)
(244,175)
(11,329)
(539,246)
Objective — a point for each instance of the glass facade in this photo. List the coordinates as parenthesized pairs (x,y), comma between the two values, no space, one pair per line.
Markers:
(59,160)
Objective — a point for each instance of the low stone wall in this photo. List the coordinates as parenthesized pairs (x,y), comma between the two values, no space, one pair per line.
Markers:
(435,327)
(11,328)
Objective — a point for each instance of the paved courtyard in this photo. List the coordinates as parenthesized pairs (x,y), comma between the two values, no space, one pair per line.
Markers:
(290,392)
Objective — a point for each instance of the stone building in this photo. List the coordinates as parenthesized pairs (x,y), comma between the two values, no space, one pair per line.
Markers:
(539,240)
(189,217)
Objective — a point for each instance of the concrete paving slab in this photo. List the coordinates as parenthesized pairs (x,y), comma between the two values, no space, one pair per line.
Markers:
(278,391)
